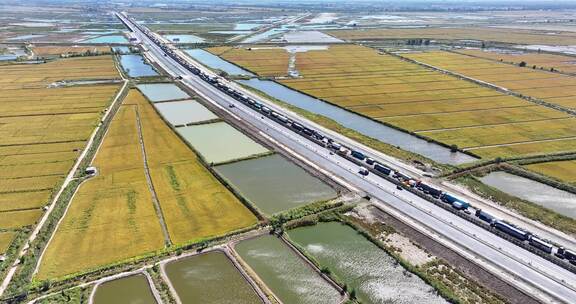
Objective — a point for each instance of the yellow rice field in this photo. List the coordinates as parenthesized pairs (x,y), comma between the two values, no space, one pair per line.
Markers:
(519,36)
(432,104)
(69,50)
(551,87)
(18,219)
(266,61)
(561,170)
(561,63)
(112,216)
(194,203)
(6,239)
(44,129)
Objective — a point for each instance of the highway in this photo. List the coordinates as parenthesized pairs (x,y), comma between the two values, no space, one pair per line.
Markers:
(534,275)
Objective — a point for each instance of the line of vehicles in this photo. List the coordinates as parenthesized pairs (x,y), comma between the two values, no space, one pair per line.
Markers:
(366,163)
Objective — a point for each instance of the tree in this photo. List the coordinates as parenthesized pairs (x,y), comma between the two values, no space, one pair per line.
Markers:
(453,148)
(522,64)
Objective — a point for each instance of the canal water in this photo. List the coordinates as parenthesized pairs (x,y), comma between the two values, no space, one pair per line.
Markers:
(359,123)
(184,112)
(373,274)
(135,66)
(288,276)
(210,278)
(184,38)
(219,142)
(546,196)
(274,184)
(157,92)
(216,62)
(129,290)
(107,39)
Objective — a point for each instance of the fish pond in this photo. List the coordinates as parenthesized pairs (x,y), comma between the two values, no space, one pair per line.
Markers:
(219,142)
(129,290)
(216,62)
(209,278)
(274,184)
(184,112)
(359,123)
(285,273)
(546,196)
(136,66)
(157,92)
(107,39)
(184,38)
(374,275)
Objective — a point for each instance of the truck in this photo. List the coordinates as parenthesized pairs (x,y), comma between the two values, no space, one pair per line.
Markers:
(382,169)
(511,230)
(540,244)
(484,216)
(566,254)
(358,155)
(450,199)
(429,190)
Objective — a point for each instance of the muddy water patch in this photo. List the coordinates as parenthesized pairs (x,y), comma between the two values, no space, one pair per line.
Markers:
(288,276)
(156,92)
(184,112)
(219,142)
(274,184)
(546,196)
(359,123)
(133,289)
(209,278)
(374,275)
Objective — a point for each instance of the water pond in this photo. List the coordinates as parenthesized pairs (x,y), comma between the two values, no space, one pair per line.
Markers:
(184,112)
(157,92)
(121,49)
(210,278)
(107,39)
(546,196)
(219,142)
(25,37)
(136,66)
(8,57)
(246,26)
(359,123)
(216,62)
(288,276)
(274,184)
(129,290)
(375,276)
(184,38)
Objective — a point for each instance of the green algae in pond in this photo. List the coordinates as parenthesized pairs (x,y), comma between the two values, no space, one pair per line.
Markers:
(219,142)
(375,276)
(210,278)
(129,290)
(288,276)
(274,184)
(184,112)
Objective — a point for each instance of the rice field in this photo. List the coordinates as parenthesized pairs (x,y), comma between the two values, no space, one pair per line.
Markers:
(267,61)
(438,106)
(6,239)
(507,35)
(565,64)
(44,129)
(194,203)
(551,87)
(69,50)
(562,170)
(111,217)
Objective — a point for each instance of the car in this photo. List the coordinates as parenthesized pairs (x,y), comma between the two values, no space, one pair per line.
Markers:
(399,187)
(231,106)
